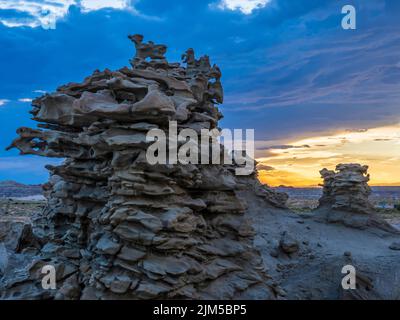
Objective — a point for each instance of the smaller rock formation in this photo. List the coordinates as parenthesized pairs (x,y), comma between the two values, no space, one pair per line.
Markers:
(347,188)
(156,52)
(345,198)
(288,244)
(16,234)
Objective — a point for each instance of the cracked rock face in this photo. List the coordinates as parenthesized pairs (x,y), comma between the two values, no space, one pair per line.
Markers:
(121,228)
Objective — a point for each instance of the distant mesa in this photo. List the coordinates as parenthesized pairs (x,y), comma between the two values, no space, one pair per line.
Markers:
(11,183)
(13,189)
(284,186)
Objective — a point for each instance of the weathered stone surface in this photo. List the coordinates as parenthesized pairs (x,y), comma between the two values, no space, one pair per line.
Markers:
(395,246)
(16,234)
(117,283)
(131,254)
(107,245)
(151,290)
(345,199)
(347,188)
(136,230)
(3,258)
(288,244)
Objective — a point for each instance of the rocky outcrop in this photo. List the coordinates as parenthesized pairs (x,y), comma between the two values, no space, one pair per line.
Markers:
(347,188)
(10,189)
(345,199)
(121,228)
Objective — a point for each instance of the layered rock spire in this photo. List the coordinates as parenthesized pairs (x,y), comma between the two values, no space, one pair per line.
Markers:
(347,188)
(120,228)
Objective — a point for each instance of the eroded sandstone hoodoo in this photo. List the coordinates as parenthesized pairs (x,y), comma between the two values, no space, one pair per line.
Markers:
(120,228)
(345,198)
(347,188)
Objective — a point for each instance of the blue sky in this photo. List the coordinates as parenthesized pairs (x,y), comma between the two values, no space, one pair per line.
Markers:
(289,70)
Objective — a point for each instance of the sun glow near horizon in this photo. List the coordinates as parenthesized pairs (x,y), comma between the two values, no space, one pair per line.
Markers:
(298,164)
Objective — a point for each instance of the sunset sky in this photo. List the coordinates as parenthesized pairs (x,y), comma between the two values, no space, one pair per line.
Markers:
(298,163)
(316,95)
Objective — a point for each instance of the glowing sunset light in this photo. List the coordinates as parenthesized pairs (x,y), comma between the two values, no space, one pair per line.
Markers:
(298,164)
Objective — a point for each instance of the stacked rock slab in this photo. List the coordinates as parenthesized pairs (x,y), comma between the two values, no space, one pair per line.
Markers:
(345,199)
(121,228)
(347,188)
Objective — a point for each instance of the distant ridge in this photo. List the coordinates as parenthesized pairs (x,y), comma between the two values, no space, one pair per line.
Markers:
(13,189)
(11,183)
(314,193)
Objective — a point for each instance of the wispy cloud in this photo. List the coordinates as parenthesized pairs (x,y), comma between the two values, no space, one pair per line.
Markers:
(25,100)
(244,6)
(46,13)
(284,147)
(302,75)
(3,102)
(91,5)
(36,12)
(26,169)
(26,163)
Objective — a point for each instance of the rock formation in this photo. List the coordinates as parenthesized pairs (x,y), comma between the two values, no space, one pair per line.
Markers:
(345,198)
(347,188)
(120,228)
